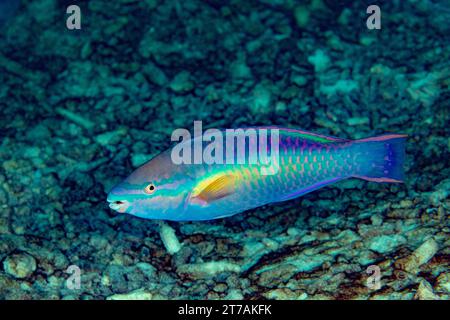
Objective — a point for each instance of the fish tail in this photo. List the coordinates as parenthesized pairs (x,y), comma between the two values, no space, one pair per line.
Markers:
(381,158)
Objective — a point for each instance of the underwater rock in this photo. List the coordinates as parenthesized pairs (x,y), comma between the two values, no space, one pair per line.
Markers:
(341,86)
(262,99)
(443,283)
(301,14)
(182,82)
(151,46)
(320,60)
(138,159)
(442,192)
(425,292)
(420,256)
(285,294)
(139,294)
(155,74)
(147,269)
(169,238)
(18,69)
(208,269)
(425,88)
(386,243)
(239,69)
(234,294)
(121,278)
(299,80)
(19,265)
(76,118)
(44,11)
(111,137)
(358,121)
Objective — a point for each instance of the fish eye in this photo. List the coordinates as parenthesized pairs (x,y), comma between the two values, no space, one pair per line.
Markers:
(150,188)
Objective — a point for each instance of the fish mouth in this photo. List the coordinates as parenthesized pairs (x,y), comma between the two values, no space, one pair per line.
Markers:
(119,205)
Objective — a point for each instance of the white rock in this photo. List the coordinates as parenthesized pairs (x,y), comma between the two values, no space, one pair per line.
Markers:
(139,294)
(421,255)
(169,238)
(208,269)
(425,292)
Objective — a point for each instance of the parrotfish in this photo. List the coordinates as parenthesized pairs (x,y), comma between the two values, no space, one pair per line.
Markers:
(163,189)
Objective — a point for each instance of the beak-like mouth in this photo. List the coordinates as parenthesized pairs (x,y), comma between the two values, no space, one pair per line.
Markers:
(119,205)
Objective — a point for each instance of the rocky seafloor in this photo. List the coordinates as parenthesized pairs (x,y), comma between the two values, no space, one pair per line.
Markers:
(80,109)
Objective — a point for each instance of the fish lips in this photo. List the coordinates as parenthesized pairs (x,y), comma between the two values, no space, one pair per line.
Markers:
(117,204)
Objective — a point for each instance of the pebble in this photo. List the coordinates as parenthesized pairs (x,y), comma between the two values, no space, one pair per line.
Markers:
(358,121)
(425,292)
(139,294)
(19,265)
(234,294)
(138,159)
(76,118)
(240,70)
(110,137)
(420,256)
(208,269)
(262,98)
(301,14)
(443,282)
(155,74)
(386,243)
(299,80)
(182,83)
(281,294)
(320,60)
(169,238)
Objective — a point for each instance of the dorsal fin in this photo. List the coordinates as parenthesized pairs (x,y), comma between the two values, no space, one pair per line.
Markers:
(302,134)
(312,136)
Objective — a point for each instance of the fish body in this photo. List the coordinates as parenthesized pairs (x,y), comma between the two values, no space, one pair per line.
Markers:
(161,189)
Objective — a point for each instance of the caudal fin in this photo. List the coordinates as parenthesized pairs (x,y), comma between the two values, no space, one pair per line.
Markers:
(382,159)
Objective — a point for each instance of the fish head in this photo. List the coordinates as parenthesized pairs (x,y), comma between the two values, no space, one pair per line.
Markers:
(157,190)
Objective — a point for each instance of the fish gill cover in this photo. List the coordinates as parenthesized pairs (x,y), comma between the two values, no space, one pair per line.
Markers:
(90,93)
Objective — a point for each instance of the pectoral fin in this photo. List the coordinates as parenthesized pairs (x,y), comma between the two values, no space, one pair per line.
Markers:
(214,188)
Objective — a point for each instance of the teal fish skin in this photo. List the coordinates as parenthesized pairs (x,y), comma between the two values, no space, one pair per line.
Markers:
(307,161)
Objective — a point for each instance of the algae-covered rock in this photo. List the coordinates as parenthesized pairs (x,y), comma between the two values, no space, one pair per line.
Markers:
(443,283)
(320,60)
(19,265)
(155,74)
(421,255)
(182,82)
(425,292)
(111,137)
(386,243)
(262,99)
